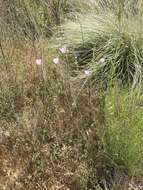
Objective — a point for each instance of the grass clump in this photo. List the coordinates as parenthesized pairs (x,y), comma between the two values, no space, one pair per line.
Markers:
(124,127)
(36,19)
(111,47)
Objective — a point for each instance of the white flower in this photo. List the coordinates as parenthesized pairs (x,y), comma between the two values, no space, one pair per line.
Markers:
(92,1)
(88,72)
(64,50)
(56,61)
(102,60)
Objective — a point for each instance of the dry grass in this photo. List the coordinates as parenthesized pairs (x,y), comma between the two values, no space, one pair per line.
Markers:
(52,121)
(43,136)
(49,135)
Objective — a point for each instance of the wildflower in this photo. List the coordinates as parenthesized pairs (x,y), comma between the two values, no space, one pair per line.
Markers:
(102,60)
(56,61)
(64,50)
(39,61)
(87,72)
(92,1)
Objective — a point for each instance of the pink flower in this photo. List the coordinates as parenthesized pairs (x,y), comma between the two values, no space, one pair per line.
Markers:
(87,72)
(56,61)
(64,50)
(39,61)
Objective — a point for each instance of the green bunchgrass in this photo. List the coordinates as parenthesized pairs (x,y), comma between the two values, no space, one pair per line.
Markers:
(119,42)
(124,127)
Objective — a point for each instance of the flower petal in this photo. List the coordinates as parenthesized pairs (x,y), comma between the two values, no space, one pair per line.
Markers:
(56,61)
